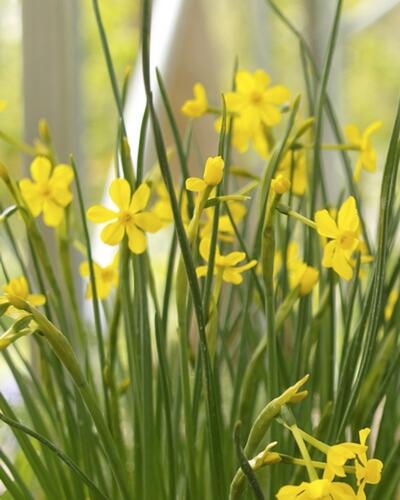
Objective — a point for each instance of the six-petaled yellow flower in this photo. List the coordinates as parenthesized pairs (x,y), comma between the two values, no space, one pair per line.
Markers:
(343,237)
(19,288)
(213,173)
(49,192)
(368,471)
(320,489)
(224,264)
(255,101)
(106,277)
(199,105)
(130,219)
(362,142)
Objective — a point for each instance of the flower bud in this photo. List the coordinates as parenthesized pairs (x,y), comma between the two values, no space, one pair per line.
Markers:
(280,184)
(213,171)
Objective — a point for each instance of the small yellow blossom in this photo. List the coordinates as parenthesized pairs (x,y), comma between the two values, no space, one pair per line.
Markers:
(343,235)
(367,154)
(368,471)
(225,264)
(199,105)
(19,288)
(213,173)
(338,455)
(296,161)
(255,101)
(49,191)
(226,231)
(390,304)
(130,219)
(280,184)
(106,277)
(320,489)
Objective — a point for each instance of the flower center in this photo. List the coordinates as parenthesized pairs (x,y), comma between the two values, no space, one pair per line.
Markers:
(44,189)
(107,274)
(256,97)
(125,217)
(346,239)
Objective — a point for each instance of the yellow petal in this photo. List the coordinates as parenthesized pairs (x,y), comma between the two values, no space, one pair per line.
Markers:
(148,222)
(120,192)
(326,226)
(245,82)
(62,174)
(84,269)
(348,216)
(136,240)
(113,233)
(372,128)
(140,198)
(278,94)
(373,471)
(353,135)
(234,257)
(36,299)
(53,214)
(99,214)
(290,492)
(245,267)
(231,275)
(341,265)
(62,196)
(261,80)
(204,248)
(329,252)
(270,115)
(40,169)
(363,435)
(213,170)
(31,196)
(195,184)
(201,271)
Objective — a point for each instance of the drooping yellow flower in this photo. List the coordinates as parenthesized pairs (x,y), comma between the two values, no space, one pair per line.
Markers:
(367,154)
(368,471)
(106,277)
(213,173)
(226,231)
(280,184)
(390,304)
(255,101)
(19,288)
(245,135)
(130,219)
(49,191)
(320,489)
(343,235)
(338,455)
(293,167)
(225,264)
(199,105)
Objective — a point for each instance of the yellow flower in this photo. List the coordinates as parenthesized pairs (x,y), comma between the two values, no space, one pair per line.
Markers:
(19,288)
(255,101)
(368,471)
(338,455)
(225,264)
(320,489)
(213,173)
(130,218)
(226,231)
(106,277)
(367,156)
(199,105)
(343,235)
(49,191)
(295,160)
(245,134)
(280,184)
(390,304)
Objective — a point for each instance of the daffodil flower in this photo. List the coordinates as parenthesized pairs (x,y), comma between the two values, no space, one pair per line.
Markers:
(224,264)
(199,105)
(362,142)
(343,236)
(18,287)
(130,219)
(368,471)
(255,101)
(320,489)
(106,277)
(338,455)
(213,173)
(49,192)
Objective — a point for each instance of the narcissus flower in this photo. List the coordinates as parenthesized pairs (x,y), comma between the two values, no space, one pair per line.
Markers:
(224,264)
(49,191)
(19,288)
(280,184)
(199,105)
(255,101)
(320,489)
(130,219)
(338,455)
(343,236)
(293,167)
(106,277)
(362,142)
(390,304)
(213,173)
(368,471)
